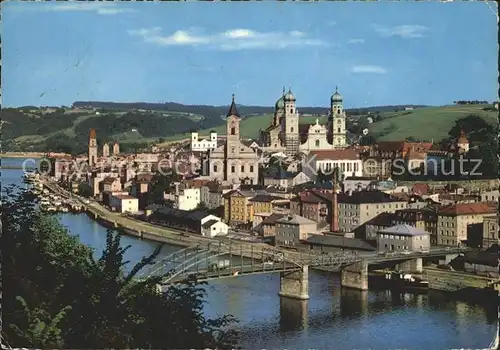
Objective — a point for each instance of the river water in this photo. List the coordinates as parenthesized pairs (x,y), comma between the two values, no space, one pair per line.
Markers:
(332,319)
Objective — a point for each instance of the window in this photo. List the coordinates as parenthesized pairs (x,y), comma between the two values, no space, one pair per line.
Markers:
(233,168)
(338,129)
(215,168)
(291,129)
(251,168)
(317,143)
(233,131)
(291,110)
(242,168)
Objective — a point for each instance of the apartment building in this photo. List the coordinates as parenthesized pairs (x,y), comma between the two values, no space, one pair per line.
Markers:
(490,231)
(453,220)
(187,199)
(291,229)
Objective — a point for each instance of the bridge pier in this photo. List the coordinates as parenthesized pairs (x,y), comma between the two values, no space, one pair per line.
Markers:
(412,266)
(355,276)
(295,284)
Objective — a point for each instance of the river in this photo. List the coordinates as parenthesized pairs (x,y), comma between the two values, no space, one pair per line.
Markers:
(332,319)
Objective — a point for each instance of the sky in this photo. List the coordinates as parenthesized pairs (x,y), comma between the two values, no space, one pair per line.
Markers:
(430,53)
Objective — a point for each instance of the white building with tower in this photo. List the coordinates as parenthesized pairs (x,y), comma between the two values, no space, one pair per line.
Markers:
(200,144)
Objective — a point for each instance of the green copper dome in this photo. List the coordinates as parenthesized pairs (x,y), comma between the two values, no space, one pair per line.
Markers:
(336,97)
(289,96)
(280,104)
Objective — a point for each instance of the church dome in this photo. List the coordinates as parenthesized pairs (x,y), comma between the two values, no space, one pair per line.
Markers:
(336,97)
(289,96)
(280,104)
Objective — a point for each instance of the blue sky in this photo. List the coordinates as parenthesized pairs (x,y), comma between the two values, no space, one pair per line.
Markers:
(200,53)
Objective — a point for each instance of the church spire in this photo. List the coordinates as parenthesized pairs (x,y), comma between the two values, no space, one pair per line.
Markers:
(232,109)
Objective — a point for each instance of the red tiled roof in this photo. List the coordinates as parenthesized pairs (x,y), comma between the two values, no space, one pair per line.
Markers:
(420,189)
(423,146)
(347,154)
(467,209)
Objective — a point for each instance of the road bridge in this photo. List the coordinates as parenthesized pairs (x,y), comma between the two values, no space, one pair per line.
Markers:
(293,266)
(245,259)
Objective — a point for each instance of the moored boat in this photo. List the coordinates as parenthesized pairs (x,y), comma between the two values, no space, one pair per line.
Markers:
(399,279)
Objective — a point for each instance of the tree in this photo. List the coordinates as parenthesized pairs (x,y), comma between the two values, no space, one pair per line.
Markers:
(201,206)
(57,295)
(367,140)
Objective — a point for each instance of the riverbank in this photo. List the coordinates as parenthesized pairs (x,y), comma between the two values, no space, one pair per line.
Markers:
(22,154)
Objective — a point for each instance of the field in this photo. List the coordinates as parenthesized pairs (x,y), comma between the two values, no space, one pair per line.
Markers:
(427,123)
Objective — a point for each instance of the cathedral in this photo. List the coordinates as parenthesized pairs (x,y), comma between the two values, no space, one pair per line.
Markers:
(233,162)
(286,134)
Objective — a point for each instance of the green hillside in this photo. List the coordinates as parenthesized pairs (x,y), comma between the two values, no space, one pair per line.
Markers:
(67,129)
(427,123)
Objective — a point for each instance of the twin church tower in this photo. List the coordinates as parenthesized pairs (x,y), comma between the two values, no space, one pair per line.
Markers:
(93,154)
(286,133)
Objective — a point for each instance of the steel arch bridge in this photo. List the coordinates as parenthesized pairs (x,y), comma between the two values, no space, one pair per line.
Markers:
(196,262)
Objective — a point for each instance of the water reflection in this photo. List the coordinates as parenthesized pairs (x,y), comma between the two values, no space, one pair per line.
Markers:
(353,302)
(293,315)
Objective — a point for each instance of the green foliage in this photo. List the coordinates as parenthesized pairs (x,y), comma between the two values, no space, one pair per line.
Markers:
(57,295)
(147,124)
(18,123)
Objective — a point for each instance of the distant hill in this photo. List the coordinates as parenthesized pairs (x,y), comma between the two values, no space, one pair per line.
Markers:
(209,111)
(428,123)
(137,124)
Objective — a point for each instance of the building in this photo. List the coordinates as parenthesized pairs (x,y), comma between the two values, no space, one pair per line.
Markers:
(324,162)
(490,196)
(189,221)
(336,243)
(124,203)
(287,135)
(116,149)
(490,231)
(110,184)
(424,219)
(92,152)
(453,220)
(285,179)
(213,227)
(203,144)
(370,229)
(237,209)
(357,183)
(105,150)
(233,162)
(187,199)
(403,238)
(292,229)
(268,225)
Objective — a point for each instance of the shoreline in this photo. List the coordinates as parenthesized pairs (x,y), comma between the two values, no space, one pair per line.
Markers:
(23,154)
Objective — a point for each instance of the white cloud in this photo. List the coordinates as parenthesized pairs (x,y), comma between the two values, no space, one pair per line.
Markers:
(97,7)
(356,41)
(369,69)
(407,31)
(230,40)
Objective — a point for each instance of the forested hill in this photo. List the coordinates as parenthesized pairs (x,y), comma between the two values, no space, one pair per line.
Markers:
(219,110)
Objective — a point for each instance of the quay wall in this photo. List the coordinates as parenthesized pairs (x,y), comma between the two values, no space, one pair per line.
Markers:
(455,281)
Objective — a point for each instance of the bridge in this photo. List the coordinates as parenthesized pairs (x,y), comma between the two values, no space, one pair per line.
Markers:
(248,259)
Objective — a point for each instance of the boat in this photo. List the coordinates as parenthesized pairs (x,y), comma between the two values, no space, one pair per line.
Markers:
(399,279)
